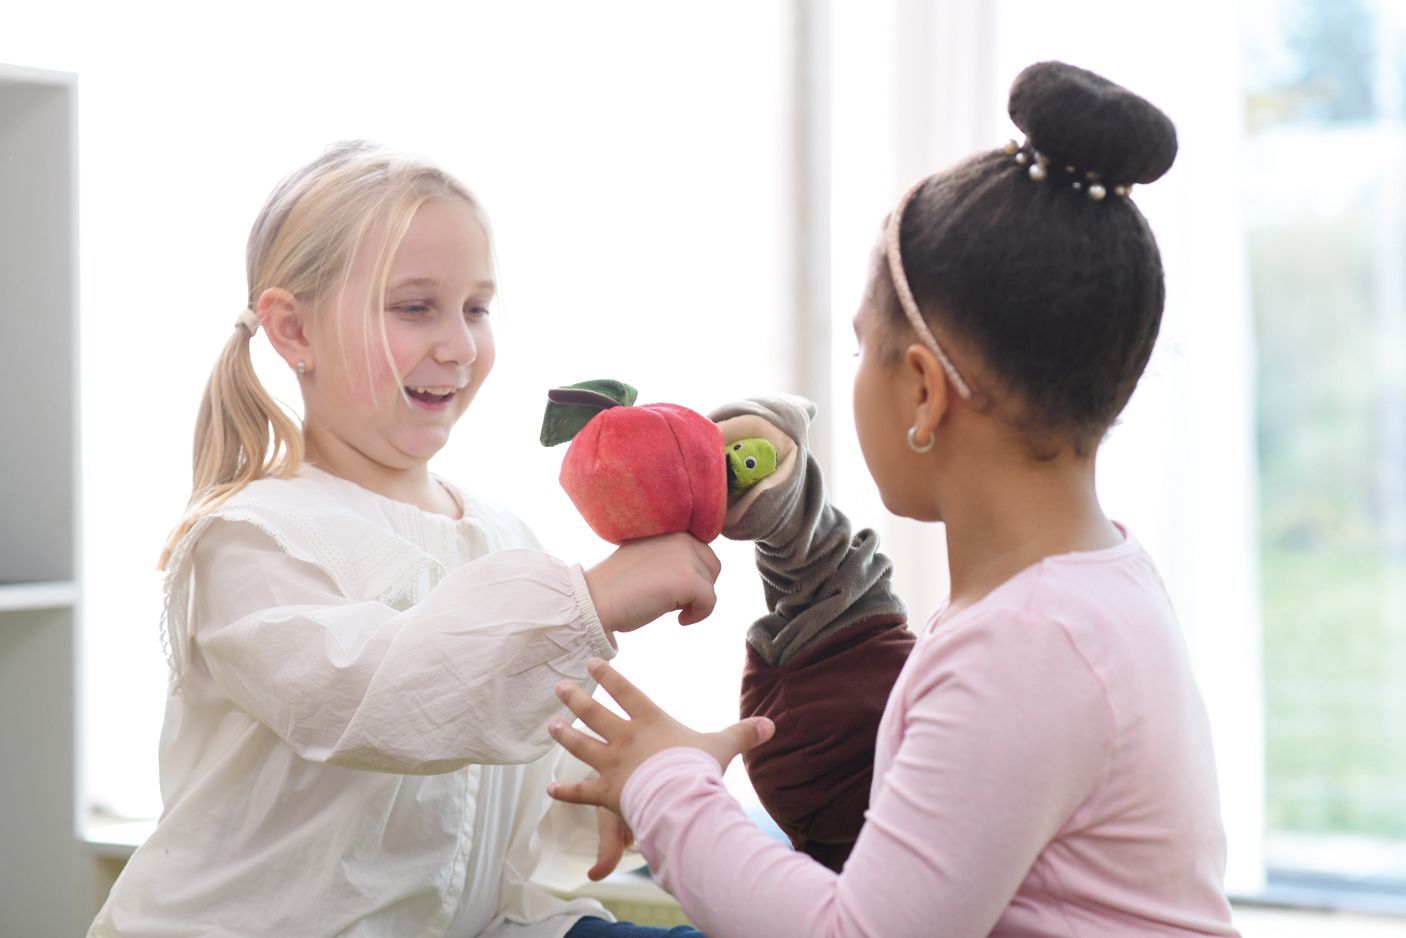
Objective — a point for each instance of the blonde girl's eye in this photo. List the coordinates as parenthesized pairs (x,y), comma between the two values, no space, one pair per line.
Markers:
(411,310)
(477,312)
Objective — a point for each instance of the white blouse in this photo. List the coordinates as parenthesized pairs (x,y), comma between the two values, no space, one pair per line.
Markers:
(355,739)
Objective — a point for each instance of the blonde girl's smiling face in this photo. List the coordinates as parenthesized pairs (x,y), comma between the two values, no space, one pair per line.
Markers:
(394,401)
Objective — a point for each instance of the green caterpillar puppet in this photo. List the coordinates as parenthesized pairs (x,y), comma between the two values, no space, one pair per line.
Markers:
(749,461)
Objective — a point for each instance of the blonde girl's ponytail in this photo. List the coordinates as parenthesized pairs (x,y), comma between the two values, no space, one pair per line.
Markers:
(241,434)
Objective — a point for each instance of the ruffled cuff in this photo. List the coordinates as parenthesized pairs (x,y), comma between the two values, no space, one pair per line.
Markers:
(602,642)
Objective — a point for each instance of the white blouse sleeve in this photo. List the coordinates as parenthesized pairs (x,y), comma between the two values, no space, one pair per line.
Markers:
(464,676)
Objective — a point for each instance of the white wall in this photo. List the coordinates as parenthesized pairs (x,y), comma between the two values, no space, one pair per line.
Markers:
(633,157)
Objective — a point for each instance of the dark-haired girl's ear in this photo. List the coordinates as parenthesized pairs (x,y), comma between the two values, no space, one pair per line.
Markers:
(287,323)
(931,392)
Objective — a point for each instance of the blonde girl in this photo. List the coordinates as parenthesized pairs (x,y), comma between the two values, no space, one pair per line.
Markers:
(363,653)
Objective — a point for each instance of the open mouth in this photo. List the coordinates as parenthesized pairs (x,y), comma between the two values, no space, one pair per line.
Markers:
(432,396)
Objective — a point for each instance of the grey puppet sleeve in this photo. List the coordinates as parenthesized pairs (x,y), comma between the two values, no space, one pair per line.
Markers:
(818,576)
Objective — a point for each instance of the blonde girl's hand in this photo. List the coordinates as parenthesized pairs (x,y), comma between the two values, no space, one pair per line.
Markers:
(625,742)
(642,580)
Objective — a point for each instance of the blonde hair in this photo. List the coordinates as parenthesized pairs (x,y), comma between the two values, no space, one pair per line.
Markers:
(305,240)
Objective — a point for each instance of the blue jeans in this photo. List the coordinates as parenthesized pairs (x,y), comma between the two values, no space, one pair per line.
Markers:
(600,928)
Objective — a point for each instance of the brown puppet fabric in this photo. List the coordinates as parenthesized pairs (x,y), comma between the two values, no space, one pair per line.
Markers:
(823,659)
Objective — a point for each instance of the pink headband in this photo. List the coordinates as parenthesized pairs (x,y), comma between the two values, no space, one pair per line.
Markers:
(905,294)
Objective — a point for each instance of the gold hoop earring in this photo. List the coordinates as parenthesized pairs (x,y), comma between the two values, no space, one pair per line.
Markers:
(913,441)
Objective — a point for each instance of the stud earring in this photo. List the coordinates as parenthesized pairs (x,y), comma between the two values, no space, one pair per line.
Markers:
(302,368)
(913,441)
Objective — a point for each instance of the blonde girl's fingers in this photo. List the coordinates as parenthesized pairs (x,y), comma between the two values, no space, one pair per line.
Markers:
(704,600)
(586,748)
(711,564)
(592,791)
(588,710)
(628,696)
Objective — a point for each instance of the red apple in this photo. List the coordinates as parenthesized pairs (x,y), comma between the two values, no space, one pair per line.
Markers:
(638,471)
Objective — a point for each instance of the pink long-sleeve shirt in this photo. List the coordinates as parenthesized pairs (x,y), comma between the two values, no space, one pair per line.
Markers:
(1043,768)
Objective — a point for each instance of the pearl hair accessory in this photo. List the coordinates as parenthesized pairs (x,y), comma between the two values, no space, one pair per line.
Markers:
(248,320)
(1039,170)
(905,294)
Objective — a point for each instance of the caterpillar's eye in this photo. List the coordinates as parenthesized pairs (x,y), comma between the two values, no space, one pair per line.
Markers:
(751,462)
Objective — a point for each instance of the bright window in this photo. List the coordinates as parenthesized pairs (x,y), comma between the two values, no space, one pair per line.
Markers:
(1325,215)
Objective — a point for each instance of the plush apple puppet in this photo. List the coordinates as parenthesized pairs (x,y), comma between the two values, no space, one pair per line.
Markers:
(637,471)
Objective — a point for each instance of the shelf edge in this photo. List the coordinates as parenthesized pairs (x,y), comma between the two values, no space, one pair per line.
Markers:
(20,597)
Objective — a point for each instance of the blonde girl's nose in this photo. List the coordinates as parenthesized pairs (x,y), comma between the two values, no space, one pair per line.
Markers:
(456,343)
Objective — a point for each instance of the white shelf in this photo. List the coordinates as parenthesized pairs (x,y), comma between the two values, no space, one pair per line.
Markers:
(17,597)
(43,887)
(38,328)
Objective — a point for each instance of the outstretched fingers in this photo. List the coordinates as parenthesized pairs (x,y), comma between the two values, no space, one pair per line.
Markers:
(631,699)
(592,791)
(590,712)
(586,748)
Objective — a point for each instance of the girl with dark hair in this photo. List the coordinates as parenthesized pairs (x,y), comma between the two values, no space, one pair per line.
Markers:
(1043,764)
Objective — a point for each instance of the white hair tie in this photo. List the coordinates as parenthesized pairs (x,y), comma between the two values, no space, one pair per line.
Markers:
(249,320)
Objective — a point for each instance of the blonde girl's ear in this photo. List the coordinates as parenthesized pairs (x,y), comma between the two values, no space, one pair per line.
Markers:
(929,393)
(288,324)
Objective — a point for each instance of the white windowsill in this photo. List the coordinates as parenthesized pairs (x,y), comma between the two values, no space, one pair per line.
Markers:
(115,839)
(1256,922)
(15,597)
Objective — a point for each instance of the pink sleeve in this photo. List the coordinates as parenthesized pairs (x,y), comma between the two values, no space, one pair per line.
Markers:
(1005,731)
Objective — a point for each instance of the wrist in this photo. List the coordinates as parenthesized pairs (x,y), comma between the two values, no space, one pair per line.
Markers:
(668,771)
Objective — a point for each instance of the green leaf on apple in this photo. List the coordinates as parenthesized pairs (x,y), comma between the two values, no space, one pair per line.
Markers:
(570,408)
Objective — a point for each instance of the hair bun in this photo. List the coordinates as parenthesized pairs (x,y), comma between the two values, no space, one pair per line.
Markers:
(1081,119)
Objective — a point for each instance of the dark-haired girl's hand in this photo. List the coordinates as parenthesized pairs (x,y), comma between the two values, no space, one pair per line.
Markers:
(625,742)
(615,837)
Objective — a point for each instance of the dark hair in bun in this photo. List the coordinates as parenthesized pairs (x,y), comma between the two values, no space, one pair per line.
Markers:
(1044,292)
(1081,119)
